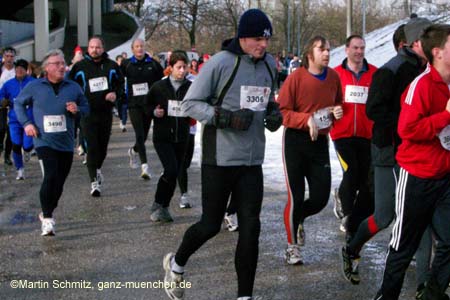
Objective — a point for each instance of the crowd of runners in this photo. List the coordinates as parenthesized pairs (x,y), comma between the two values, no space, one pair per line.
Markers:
(390,127)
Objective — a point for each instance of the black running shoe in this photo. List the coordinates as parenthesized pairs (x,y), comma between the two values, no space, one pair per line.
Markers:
(350,266)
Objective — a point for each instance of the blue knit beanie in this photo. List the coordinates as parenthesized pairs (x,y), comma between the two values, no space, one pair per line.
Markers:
(254,23)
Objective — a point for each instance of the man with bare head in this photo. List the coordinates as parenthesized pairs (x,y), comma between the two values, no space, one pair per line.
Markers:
(141,72)
(56,102)
(102,83)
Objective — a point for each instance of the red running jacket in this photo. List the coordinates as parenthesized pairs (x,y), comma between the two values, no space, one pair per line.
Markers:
(423,116)
(354,123)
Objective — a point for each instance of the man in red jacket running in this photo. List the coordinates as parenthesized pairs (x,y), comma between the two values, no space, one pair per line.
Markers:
(423,188)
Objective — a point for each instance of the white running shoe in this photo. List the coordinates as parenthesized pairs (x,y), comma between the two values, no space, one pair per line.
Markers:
(47,225)
(292,255)
(145,174)
(184,201)
(133,158)
(172,280)
(122,127)
(231,222)
(95,189)
(80,150)
(20,175)
(100,177)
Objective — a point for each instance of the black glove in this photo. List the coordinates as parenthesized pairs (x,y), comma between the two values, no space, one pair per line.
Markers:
(4,103)
(240,119)
(273,119)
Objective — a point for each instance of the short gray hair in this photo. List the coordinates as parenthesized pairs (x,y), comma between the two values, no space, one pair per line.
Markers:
(53,52)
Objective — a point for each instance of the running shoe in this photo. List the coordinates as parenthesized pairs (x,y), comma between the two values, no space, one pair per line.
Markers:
(184,201)
(420,291)
(350,264)
(301,235)
(161,215)
(172,280)
(8,161)
(292,255)
(47,225)
(20,175)
(80,151)
(100,177)
(26,156)
(231,222)
(145,174)
(343,225)
(155,207)
(133,158)
(123,127)
(95,189)
(337,209)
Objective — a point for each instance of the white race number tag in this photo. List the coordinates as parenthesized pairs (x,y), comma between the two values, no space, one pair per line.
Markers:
(322,117)
(98,84)
(255,98)
(140,89)
(56,123)
(356,94)
(174,109)
(444,137)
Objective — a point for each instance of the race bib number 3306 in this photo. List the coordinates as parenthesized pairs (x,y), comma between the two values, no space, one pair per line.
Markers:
(255,98)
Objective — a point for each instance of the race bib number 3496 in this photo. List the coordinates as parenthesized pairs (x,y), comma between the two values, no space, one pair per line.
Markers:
(55,123)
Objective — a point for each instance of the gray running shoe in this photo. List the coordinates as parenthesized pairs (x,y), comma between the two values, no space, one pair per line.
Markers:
(161,215)
(292,255)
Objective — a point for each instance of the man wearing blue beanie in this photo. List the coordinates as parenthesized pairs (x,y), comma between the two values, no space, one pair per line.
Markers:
(233,98)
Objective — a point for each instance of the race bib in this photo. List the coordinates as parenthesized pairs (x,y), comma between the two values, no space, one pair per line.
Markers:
(255,98)
(140,89)
(444,137)
(98,84)
(322,117)
(56,123)
(174,109)
(356,94)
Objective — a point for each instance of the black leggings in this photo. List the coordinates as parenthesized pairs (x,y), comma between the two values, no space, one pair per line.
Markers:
(96,130)
(4,131)
(246,184)
(56,166)
(171,156)
(305,159)
(141,124)
(354,191)
(182,175)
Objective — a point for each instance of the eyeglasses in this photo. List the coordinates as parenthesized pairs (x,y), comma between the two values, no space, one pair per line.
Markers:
(58,63)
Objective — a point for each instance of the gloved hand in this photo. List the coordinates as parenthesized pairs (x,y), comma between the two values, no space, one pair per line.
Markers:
(274,118)
(240,119)
(4,103)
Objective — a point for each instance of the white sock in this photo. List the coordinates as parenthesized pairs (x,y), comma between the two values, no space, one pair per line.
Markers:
(244,298)
(175,267)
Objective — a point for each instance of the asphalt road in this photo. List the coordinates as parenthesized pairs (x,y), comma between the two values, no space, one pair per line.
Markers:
(107,248)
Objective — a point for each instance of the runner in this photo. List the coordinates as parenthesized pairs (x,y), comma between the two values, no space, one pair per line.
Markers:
(8,93)
(141,72)
(102,83)
(170,131)
(423,189)
(351,136)
(310,99)
(56,101)
(233,98)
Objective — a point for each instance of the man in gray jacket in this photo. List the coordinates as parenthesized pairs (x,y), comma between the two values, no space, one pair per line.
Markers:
(233,99)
